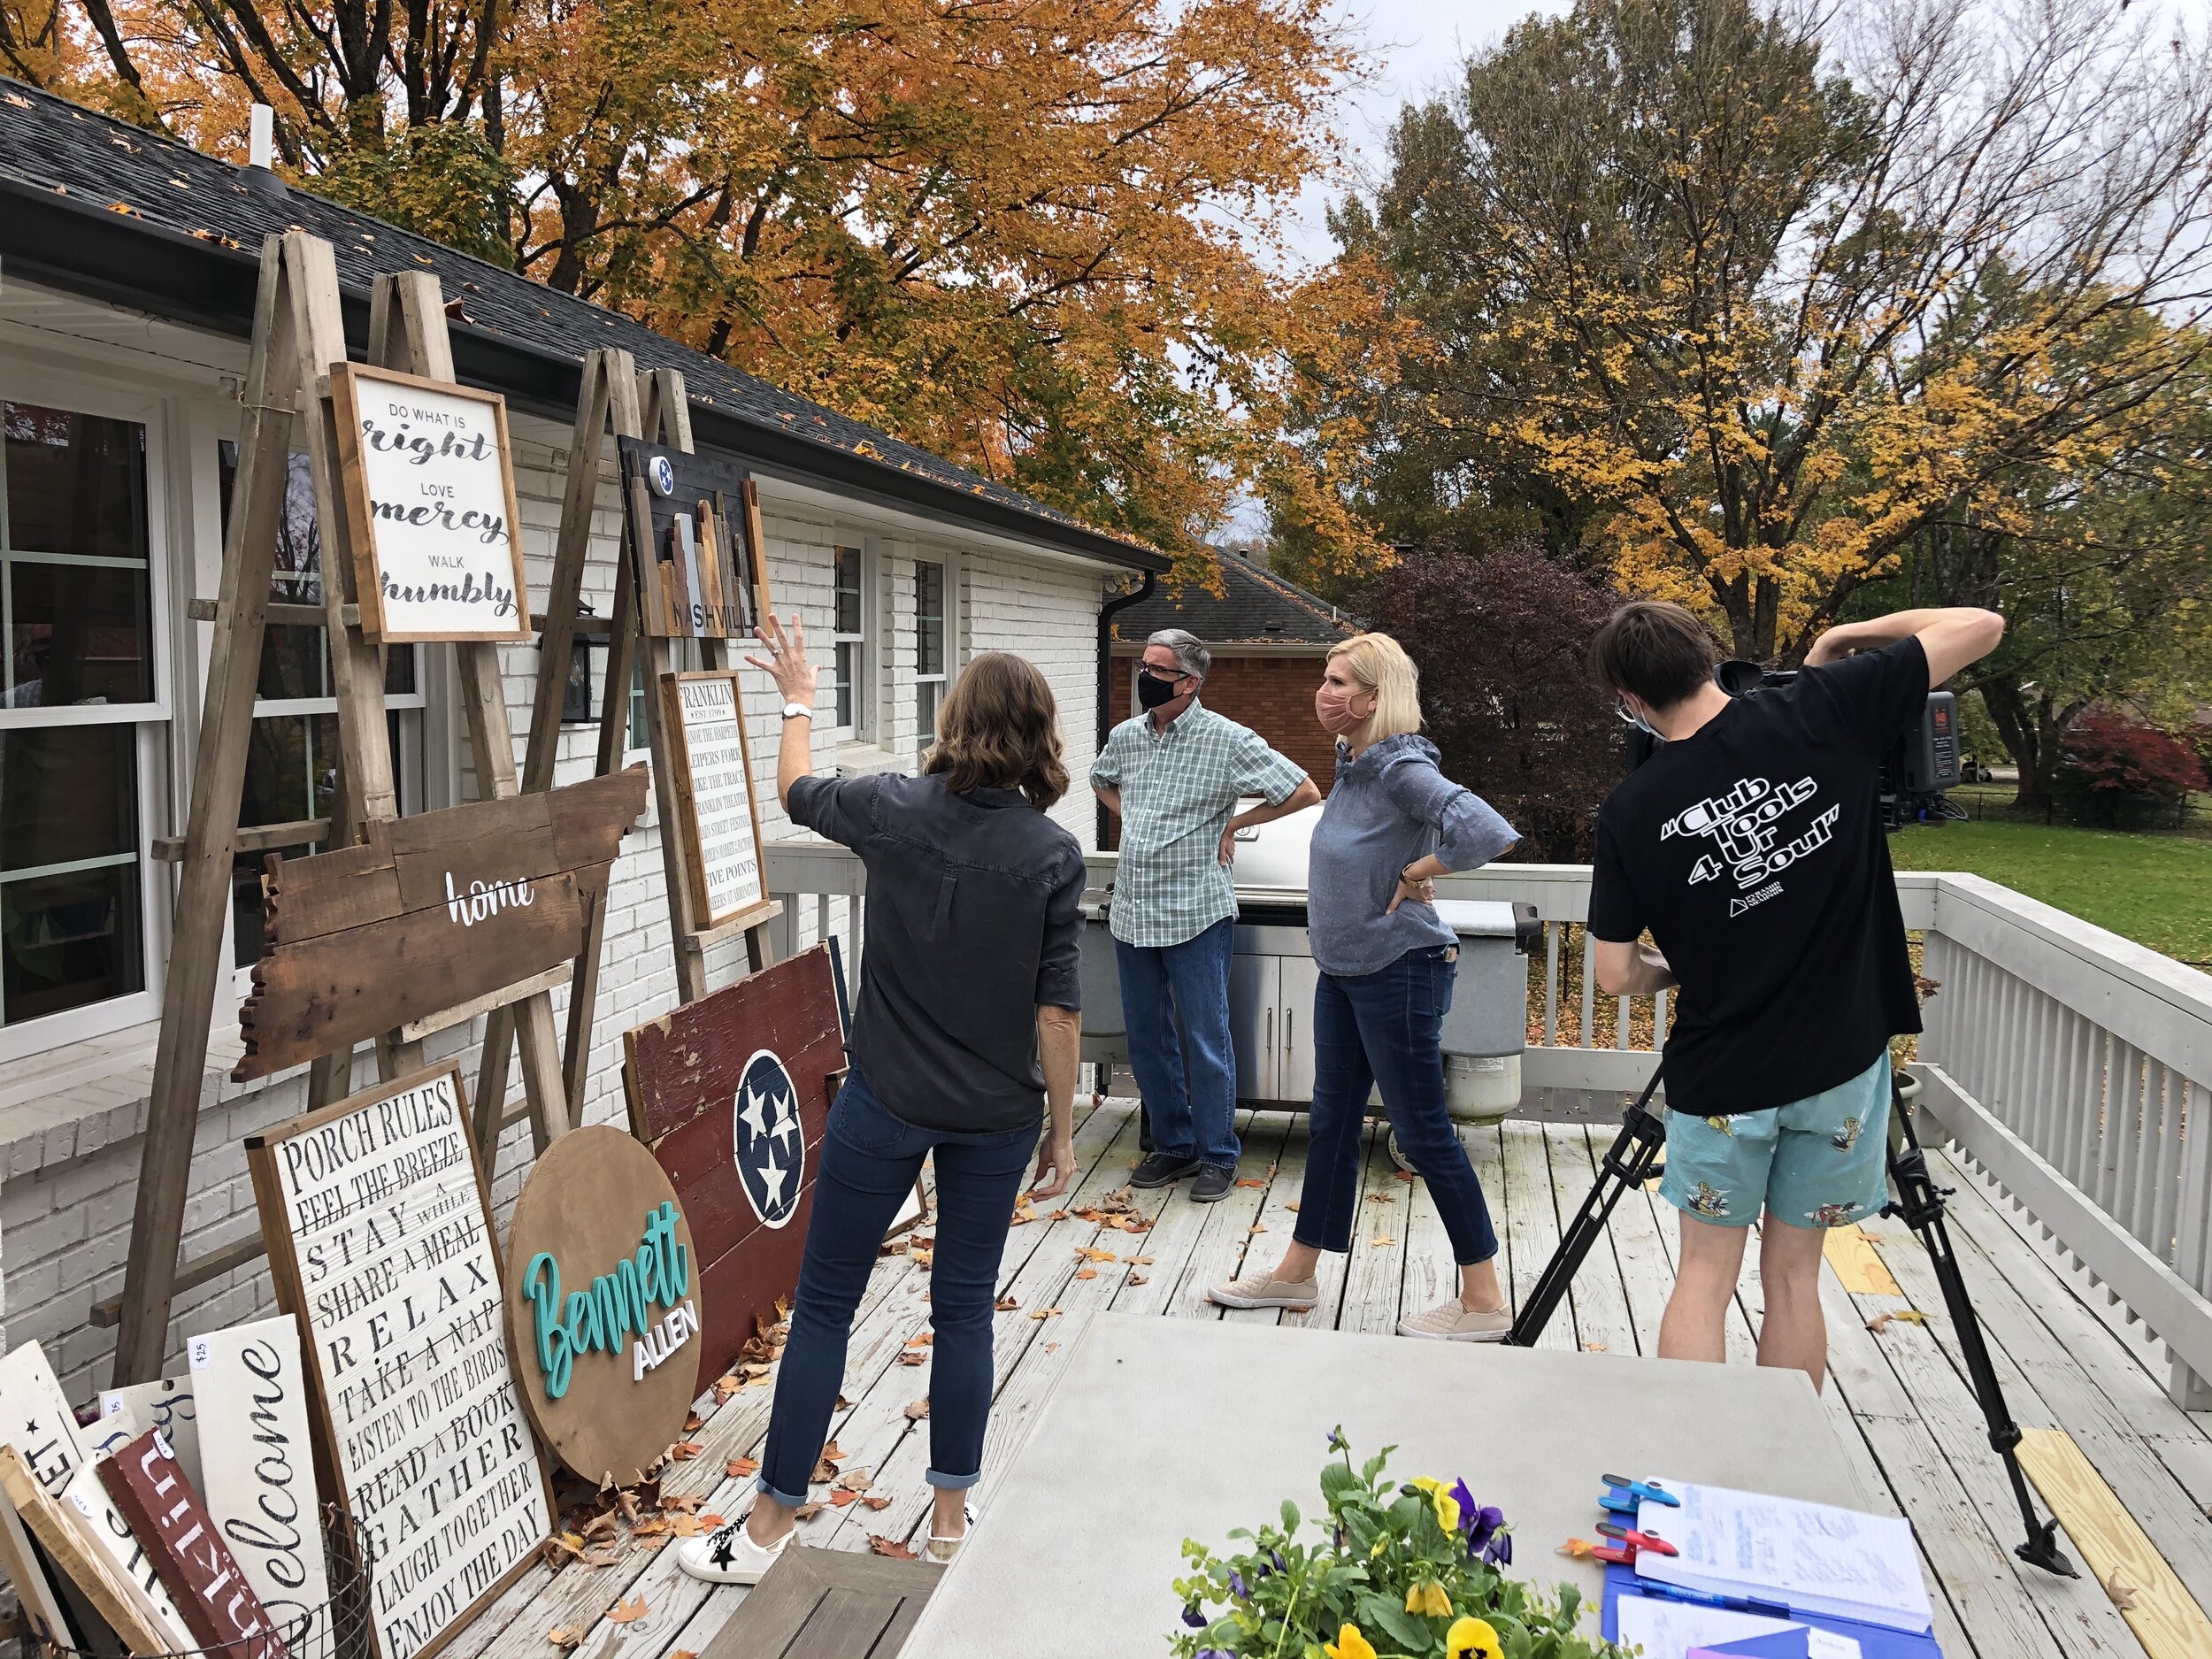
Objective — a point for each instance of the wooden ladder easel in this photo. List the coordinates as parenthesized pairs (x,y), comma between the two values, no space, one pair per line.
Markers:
(651,406)
(298,335)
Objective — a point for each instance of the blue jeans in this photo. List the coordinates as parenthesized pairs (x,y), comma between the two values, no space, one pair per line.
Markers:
(870,1162)
(1189,1082)
(1387,1027)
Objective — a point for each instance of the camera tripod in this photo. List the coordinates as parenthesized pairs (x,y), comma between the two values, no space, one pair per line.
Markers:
(1634,1159)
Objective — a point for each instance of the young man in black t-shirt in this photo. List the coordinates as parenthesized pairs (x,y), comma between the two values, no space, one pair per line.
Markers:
(1751,847)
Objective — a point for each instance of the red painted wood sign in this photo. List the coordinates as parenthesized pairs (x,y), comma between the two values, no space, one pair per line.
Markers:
(187,1549)
(732,1093)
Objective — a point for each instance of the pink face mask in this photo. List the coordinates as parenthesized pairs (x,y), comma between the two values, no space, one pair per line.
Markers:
(1334,709)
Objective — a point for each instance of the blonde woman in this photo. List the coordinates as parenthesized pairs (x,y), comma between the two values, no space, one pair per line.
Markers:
(1392,823)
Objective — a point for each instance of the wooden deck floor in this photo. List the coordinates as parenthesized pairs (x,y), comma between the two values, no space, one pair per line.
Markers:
(1898,1396)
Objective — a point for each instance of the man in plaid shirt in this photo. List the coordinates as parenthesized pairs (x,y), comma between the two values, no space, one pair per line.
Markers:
(1174,775)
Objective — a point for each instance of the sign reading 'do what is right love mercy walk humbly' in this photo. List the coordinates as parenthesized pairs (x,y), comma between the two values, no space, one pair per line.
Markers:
(382,1244)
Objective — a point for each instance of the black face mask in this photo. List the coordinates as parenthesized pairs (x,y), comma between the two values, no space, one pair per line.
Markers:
(1152,691)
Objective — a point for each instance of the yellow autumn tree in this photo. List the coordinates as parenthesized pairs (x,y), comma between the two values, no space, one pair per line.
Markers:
(1735,296)
(1041,237)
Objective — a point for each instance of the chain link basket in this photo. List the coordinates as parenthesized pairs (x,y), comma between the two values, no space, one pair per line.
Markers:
(340,1628)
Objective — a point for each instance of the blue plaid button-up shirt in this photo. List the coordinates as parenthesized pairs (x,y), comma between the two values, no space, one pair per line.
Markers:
(1179,788)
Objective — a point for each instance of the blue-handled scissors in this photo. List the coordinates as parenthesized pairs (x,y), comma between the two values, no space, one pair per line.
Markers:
(1626,1494)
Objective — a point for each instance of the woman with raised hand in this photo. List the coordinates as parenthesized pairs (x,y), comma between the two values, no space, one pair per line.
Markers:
(1392,825)
(967,1029)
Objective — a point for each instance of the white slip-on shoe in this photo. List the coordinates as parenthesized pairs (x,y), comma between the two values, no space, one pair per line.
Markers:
(941,1550)
(728,1555)
(1262,1289)
(1451,1322)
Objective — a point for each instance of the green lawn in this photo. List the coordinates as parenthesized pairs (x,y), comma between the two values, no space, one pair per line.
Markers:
(2155,889)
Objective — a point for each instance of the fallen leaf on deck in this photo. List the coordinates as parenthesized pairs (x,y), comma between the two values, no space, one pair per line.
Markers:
(855,1480)
(1912,1316)
(693,1422)
(892,1247)
(1091,1254)
(564,1636)
(684,1451)
(1140,1279)
(1046,1313)
(1292,1206)
(806,1511)
(1403,1175)
(710,1520)
(912,1356)
(1086,1273)
(1058,1215)
(601,1556)
(1005,1305)
(833,1454)
(627,1612)
(1140,1261)
(2122,1596)
(1382,1243)
(922,1341)
(602,1526)
(1380,1198)
(875,1501)
(824,1472)
(844,1404)
(686,1526)
(683,1653)
(916,1409)
(1052,1347)
(687,1502)
(627,1503)
(890,1547)
(924,1258)
(1249,1180)
(921,1241)
(841,1498)
(1256,1227)
(652,1529)
(1022,1215)
(1594,1347)
(738,1468)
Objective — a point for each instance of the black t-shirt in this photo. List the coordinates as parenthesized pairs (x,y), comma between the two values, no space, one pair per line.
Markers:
(1753,850)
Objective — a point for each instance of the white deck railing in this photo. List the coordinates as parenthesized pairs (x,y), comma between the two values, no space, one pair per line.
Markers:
(2073,1067)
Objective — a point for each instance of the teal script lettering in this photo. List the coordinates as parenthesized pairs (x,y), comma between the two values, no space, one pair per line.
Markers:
(604,1317)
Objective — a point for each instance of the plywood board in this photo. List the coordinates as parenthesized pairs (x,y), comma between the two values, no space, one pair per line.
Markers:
(717,815)
(603,1305)
(429,496)
(147,1485)
(257,1460)
(1858,1265)
(2158,1607)
(27,1570)
(382,1244)
(68,1541)
(732,1095)
(425,914)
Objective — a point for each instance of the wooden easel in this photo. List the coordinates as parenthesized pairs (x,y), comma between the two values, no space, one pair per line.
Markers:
(298,335)
(652,407)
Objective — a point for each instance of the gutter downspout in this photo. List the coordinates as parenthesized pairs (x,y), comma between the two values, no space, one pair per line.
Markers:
(1107,613)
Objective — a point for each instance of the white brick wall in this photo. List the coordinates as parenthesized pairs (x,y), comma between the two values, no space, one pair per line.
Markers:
(66,1208)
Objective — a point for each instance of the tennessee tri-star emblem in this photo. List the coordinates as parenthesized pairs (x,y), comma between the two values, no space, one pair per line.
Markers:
(769,1143)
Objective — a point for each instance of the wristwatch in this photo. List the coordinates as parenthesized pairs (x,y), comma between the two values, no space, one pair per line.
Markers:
(798,711)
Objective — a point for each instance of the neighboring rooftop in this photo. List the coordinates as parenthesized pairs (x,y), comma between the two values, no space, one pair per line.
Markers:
(1254,607)
(96,207)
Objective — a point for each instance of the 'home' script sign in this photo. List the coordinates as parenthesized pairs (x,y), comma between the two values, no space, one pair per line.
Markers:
(381,1242)
(430,507)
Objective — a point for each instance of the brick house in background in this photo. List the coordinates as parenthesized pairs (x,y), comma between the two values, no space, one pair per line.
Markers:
(1269,637)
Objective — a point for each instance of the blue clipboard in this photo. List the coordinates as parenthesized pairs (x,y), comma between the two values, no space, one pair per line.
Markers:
(1876,1641)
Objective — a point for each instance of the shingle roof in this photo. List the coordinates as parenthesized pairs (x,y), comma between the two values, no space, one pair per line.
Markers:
(1255,607)
(95,205)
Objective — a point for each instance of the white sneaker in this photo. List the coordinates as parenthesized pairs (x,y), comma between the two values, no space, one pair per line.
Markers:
(728,1555)
(1451,1322)
(1262,1289)
(941,1550)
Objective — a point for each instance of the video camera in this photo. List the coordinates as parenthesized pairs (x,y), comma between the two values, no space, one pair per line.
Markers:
(1922,765)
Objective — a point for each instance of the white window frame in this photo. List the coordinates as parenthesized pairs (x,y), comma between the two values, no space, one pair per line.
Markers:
(90,395)
(866,678)
(948,647)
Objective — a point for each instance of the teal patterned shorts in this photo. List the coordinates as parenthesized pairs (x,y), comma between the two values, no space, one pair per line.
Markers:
(1820,1161)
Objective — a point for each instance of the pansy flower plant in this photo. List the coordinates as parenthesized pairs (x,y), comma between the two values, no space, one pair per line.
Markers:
(1393,1569)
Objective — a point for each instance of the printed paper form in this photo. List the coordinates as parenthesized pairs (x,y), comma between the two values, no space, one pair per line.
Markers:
(1668,1630)
(1811,1557)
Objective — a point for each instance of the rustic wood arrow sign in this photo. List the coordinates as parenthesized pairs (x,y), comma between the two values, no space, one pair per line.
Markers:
(427,913)
(733,1093)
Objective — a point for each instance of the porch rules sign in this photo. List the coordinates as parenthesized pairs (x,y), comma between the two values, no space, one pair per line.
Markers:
(430,507)
(380,1237)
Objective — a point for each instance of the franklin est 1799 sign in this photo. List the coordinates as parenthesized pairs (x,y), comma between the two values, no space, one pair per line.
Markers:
(602,1305)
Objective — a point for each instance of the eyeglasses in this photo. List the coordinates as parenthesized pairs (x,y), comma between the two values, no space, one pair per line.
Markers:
(1153,673)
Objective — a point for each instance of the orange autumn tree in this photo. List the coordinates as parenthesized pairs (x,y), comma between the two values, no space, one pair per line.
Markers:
(1038,236)
(1735,296)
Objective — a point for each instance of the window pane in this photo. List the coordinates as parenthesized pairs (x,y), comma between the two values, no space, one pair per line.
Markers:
(926,693)
(76,483)
(291,772)
(69,940)
(929,619)
(848,666)
(847,582)
(78,634)
(67,794)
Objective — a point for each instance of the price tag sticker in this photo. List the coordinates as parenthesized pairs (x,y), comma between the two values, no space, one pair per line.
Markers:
(199,1352)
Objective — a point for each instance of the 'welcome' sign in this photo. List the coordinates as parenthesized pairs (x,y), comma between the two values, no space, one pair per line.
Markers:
(430,505)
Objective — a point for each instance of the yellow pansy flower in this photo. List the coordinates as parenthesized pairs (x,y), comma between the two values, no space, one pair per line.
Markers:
(1349,1643)
(1446,1505)
(1428,1598)
(1471,1639)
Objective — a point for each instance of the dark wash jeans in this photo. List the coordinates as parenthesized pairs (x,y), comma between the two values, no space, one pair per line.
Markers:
(1387,1027)
(870,1162)
(1175,1003)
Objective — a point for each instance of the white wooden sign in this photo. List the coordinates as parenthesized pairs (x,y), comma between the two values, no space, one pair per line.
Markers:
(35,1418)
(430,507)
(714,791)
(257,1462)
(380,1240)
(165,1403)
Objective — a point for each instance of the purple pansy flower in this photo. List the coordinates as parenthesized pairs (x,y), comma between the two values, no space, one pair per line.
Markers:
(1499,1551)
(1236,1586)
(1276,1556)
(1196,1619)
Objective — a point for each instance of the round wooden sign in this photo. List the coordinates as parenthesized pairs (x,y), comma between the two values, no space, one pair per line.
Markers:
(602,1305)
